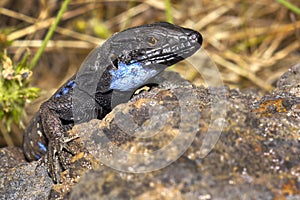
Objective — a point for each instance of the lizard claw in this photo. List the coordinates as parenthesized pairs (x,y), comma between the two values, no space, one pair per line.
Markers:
(53,165)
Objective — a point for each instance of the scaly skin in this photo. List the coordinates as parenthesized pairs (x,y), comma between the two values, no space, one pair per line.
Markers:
(108,77)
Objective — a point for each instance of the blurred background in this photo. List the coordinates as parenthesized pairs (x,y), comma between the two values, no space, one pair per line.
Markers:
(252,42)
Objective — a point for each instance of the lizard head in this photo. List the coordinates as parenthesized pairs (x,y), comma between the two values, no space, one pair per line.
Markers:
(140,53)
(158,43)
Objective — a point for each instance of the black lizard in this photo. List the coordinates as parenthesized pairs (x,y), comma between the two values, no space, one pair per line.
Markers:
(108,76)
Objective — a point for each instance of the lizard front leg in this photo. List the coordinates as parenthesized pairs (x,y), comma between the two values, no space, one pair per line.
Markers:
(55,134)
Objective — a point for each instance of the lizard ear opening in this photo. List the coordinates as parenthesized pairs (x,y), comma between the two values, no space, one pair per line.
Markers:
(114,61)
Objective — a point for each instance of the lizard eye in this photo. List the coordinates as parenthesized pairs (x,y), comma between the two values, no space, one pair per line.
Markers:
(151,40)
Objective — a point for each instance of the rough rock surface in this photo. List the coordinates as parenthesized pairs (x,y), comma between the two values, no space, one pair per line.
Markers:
(257,156)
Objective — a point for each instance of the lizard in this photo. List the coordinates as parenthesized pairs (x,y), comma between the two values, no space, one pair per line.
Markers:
(109,76)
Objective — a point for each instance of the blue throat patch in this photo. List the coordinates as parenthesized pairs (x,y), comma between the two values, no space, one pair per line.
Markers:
(131,76)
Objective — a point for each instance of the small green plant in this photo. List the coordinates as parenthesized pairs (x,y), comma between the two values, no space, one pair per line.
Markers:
(14,89)
(292,7)
(168,11)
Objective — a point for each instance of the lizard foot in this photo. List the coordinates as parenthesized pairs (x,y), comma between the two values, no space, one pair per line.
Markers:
(55,158)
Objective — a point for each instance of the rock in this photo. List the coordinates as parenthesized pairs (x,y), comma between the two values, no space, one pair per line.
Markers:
(178,141)
(20,179)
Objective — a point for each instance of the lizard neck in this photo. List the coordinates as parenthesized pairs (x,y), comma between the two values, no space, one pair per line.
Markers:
(91,74)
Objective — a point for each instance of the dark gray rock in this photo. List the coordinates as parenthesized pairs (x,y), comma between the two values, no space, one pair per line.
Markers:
(176,127)
(20,179)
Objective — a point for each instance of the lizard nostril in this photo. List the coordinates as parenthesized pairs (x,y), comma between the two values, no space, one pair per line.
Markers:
(195,37)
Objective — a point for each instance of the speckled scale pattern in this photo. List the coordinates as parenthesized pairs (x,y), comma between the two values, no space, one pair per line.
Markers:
(35,141)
